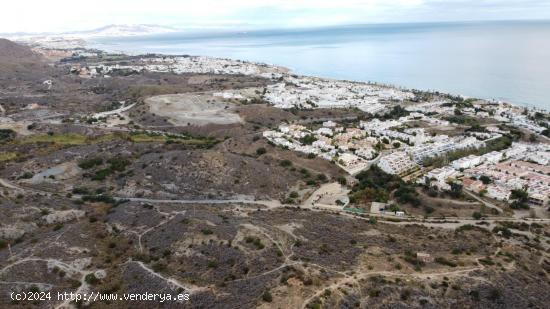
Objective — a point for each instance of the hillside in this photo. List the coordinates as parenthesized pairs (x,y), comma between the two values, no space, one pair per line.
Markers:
(12,53)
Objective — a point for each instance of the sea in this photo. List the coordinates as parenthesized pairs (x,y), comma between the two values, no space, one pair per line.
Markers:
(505,60)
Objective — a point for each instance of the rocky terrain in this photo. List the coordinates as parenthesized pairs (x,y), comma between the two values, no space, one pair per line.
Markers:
(137,200)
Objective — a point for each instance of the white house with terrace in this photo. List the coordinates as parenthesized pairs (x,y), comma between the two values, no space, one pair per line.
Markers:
(397,163)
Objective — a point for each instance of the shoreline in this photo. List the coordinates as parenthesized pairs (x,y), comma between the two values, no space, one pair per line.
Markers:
(92,45)
(293,71)
(95,44)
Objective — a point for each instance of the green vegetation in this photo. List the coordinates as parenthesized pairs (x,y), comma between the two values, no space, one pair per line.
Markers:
(308,139)
(476,128)
(72,139)
(485,179)
(260,151)
(396,113)
(406,194)
(444,261)
(455,191)
(342,180)
(255,241)
(6,135)
(8,156)
(463,120)
(286,163)
(91,279)
(267,297)
(374,185)
(61,139)
(212,264)
(99,198)
(519,199)
(207,232)
(148,137)
(89,163)
(504,231)
(115,165)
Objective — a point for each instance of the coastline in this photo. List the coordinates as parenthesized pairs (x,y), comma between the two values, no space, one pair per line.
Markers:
(91,44)
(439,57)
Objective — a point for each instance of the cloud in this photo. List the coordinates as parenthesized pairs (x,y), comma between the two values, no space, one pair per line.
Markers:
(66,15)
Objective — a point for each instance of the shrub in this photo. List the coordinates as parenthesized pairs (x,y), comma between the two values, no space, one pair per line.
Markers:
(308,139)
(212,264)
(99,198)
(322,177)
(260,151)
(207,231)
(6,134)
(443,261)
(477,215)
(91,279)
(429,209)
(286,163)
(89,163)
(267,297)
(342,180)
(80,190)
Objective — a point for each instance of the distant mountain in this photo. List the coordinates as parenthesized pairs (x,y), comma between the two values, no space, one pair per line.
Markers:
(76,39)
(121,30)
(106,31)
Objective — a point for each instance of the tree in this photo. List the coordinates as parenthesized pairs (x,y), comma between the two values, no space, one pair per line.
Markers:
(286,163)
(485,179)
(267,297)
(456,190)
(308,139)
(477,215)
(519,199)
(342,180)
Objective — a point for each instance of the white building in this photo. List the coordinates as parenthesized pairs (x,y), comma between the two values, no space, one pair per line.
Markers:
(366,152)
(540,157)
(466,162)
(324,131)
(329,124)
(397,163)
(517,149)
(492,157)
(441,175)
(498,193)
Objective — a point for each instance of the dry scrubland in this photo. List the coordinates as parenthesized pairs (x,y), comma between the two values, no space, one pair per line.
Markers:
(187,196)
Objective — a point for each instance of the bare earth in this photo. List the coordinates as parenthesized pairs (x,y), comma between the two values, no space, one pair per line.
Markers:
(192,109)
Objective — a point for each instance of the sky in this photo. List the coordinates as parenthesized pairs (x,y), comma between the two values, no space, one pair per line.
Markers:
(76,15)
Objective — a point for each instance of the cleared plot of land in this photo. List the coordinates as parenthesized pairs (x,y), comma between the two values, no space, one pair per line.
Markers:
(329,196)
(61,172)
(192,109)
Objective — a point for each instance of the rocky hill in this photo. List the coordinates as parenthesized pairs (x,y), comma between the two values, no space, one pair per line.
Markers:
(13,54)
